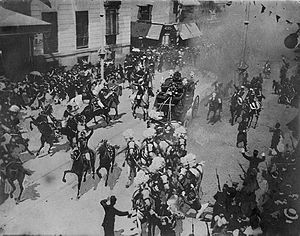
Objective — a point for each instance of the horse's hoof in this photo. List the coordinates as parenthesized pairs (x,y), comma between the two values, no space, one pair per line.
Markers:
(64,180)
(78,197)
(11,195)
(84,180)
(105,185)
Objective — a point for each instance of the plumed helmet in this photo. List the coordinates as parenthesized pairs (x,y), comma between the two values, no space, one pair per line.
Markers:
(148,133)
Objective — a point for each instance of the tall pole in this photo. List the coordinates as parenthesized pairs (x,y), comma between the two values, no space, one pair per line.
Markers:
(102,54)
(246,22)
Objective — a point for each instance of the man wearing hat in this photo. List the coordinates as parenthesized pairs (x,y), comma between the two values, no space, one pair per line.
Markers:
(110,213)
(275,137)
(67,115)
(254,160)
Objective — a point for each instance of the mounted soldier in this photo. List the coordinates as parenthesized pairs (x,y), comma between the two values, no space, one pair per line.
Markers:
(82,143)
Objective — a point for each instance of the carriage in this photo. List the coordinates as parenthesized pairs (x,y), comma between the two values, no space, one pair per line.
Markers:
(177,101)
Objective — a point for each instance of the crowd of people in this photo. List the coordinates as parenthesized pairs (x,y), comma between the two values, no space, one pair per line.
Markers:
(287,88)
(167,177)
(266,200)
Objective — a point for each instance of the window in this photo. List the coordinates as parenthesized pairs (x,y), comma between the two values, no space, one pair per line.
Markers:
(82,29)
(112,21)
(145,13)
(50,39)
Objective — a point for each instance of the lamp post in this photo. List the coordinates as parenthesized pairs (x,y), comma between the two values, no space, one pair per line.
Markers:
(102,51)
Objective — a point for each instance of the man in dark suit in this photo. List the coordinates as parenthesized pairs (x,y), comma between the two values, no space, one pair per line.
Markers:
(110,213)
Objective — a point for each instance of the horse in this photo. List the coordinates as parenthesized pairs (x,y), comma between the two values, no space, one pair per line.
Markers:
(236,107)
(144,103)
(252,109)
(47,131)
(214,105)
(107,155)
(71,129)
(112,100)
(15,171)
(90,112)
(80,167)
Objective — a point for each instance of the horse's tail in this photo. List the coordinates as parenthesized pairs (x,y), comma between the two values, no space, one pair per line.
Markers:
(27,172)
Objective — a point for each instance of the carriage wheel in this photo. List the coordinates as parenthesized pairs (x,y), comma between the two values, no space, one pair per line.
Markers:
(195,106)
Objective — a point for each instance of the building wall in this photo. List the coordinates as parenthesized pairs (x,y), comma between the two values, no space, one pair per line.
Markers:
(67,53)
(162,11)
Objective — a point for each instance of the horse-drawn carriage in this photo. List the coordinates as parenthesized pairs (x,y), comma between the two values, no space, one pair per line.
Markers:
(176,99)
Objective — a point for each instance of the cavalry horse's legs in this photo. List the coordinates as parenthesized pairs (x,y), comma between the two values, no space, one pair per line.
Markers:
(98,172)
(107,175)
(42,145)
(51,145)
(20,181)
(117,112)
(208,113)
(65,172)
(84,176)
(11,182)
(79,185)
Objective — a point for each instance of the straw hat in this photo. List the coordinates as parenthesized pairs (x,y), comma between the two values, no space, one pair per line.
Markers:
(290,214)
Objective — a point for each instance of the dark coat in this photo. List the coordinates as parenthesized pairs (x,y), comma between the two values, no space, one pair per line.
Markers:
(110,213)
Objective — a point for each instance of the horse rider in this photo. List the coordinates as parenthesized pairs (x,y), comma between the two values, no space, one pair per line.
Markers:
(82,143)
(96,103)
(141,88)
(132,146)
(68,114)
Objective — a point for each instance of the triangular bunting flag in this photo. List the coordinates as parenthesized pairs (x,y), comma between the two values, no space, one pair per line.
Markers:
(46,2)
(229,3)
(270,13)
(254,2)
(263,8)
(289,22)
(277,18)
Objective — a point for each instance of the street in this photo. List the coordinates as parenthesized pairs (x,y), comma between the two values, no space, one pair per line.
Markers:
(49,206)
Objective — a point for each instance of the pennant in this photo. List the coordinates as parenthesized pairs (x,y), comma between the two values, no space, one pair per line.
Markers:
(254,3)
(263,8)
(289,22)
(229,3)
(277,18)
(46,2)
(270,13)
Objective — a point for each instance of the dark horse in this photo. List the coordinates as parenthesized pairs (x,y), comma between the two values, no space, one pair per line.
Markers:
(236,107)
(214,105)
(107,155)
(47,131)
(80,167)
(90,113)
(15,171)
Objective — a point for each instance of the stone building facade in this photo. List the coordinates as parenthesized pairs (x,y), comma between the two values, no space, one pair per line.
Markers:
(78,31)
